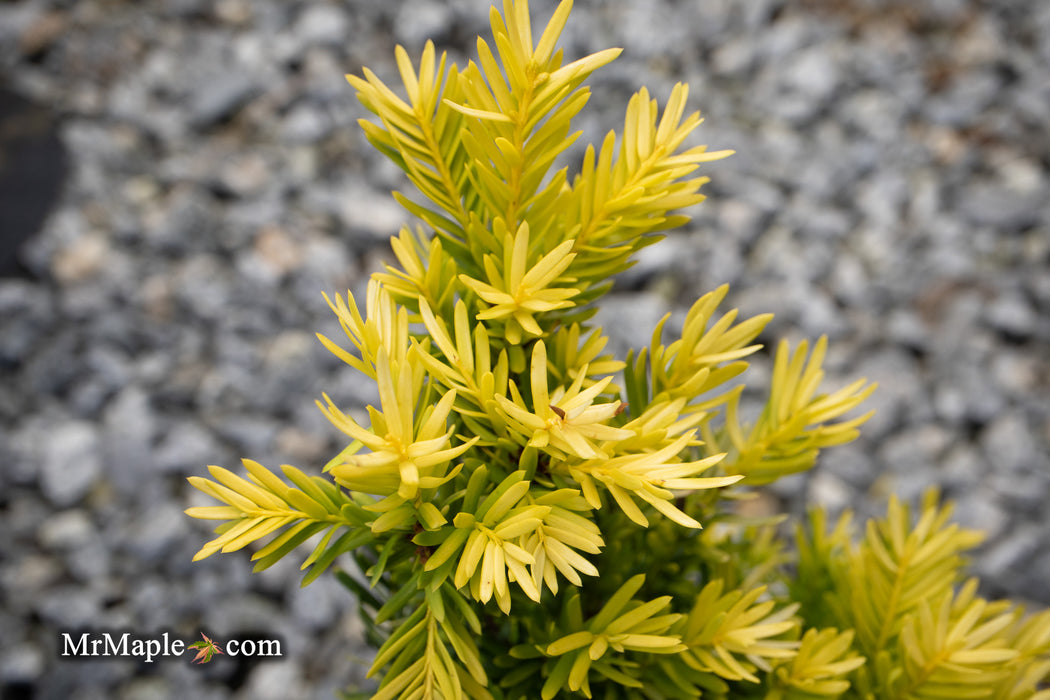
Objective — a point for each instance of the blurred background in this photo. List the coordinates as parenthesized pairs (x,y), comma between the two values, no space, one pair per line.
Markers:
(180,180)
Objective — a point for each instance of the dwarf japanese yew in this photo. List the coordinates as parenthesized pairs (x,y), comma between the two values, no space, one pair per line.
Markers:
(529,517)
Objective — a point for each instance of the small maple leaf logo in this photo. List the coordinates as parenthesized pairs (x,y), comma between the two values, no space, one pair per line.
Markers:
(205,650)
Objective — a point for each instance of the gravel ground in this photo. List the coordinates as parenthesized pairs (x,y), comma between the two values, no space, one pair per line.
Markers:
(889,190)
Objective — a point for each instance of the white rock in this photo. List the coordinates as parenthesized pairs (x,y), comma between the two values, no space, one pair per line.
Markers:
(71,462)
(323,24)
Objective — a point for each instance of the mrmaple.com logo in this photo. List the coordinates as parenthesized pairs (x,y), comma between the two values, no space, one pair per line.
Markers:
(88,645)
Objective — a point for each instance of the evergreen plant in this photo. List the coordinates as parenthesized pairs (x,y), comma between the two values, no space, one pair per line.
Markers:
(522,522)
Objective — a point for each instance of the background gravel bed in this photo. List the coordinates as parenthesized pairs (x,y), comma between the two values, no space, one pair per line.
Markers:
(889,190)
